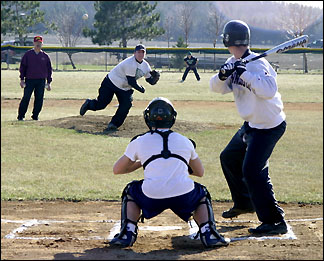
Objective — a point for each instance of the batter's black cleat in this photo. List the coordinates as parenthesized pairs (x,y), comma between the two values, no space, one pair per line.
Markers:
(20,118)
(126,240)
(34,118)
(84,107)
(273,228)
(210,240)
(111,127)
(234,212)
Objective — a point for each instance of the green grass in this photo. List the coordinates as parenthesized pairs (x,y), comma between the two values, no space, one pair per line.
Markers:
(39,162)
(81,85)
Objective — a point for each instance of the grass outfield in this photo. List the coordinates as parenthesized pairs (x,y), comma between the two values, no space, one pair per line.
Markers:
(40,162)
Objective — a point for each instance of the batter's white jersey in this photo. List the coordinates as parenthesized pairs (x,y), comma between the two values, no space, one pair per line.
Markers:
(128,67)
(163,178)
(255,93)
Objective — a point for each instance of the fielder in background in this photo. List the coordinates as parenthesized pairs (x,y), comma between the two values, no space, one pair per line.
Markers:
(191,63)
(120,81)
(245,159)
(167,158)
(35,69)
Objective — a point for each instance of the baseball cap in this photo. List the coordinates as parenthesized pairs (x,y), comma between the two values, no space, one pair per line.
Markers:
(140,47)
(189,53)
(38,38)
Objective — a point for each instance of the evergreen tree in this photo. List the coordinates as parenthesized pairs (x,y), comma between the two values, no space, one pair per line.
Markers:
(19,17)
(122,21)
(177,59)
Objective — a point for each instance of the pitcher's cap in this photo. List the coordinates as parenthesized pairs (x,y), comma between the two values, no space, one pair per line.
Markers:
(140,47)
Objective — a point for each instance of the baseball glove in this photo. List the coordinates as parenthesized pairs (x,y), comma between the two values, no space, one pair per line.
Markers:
(155,77)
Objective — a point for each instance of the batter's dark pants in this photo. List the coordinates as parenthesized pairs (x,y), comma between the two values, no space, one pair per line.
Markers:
(245,165)
(38,87)
(106,93)
(187,71)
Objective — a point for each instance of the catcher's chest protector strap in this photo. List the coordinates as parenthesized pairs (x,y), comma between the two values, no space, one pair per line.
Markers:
(165,153)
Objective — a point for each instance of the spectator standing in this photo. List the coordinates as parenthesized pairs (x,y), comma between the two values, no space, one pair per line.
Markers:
(35,69)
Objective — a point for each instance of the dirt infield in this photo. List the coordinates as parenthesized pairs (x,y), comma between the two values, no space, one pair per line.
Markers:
(35,230)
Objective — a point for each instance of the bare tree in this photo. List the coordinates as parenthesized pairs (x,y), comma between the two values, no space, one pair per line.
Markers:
(295,18)
(68,25)
(167,27)
(216,22)
(185,13)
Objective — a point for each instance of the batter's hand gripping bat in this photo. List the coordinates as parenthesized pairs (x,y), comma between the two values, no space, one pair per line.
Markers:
(279,48)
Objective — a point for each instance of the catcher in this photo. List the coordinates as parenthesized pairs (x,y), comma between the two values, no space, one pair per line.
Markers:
(167,158)
(121,81)
(191,63)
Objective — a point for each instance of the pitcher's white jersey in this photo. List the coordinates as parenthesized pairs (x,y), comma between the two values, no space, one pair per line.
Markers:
(256,93)
(128,67)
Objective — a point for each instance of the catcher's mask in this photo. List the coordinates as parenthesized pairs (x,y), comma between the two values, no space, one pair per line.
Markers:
(160,113)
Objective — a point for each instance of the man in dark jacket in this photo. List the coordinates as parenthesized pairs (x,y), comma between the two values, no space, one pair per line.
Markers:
(35,69)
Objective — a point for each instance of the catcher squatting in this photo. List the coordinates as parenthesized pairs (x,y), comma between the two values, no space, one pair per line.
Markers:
(168,158)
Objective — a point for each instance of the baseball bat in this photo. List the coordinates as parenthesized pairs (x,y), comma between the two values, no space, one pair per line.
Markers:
(299,41)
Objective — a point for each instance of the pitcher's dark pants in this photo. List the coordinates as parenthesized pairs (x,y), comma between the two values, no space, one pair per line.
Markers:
(38,87)
(187,71)
(106,93)
(245,165)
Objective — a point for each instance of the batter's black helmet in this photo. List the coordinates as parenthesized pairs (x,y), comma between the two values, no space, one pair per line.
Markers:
(160,113)
(236,33)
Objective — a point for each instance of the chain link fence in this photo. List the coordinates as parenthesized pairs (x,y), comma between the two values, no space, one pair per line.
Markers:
(210,59)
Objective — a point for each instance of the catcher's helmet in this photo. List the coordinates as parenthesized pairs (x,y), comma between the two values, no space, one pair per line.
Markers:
(160,113)
(236,33)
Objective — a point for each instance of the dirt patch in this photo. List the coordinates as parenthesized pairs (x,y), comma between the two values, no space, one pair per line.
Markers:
(14,103)
(39,230)
(133,125)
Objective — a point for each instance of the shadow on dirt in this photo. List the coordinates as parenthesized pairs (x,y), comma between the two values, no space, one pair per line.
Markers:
(181,246)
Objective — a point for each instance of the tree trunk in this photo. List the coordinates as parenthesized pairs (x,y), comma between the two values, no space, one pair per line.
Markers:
(70,57)
(305,63)
(124,45)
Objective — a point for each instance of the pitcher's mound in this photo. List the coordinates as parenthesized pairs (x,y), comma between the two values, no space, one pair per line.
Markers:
(133,125)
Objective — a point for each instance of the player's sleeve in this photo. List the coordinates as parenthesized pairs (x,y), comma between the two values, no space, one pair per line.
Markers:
(223,87)
(193,153)
(131,151)
(261,77)
(147,70)
(129,68)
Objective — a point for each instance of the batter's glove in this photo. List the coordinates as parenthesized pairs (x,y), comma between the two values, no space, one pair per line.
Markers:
(155,77)
(225,71)
(240,67)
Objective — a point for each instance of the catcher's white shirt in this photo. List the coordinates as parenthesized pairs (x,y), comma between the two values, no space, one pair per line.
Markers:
(128,67)
(163,178)
(255,93)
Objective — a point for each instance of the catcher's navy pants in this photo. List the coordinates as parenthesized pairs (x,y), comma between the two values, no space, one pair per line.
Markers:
(183,206)
(245,165)
(38,87)
(106,93)
(187,71)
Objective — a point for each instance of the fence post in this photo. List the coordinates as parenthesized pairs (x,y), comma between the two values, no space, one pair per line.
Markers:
(106,61)
(56,61)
